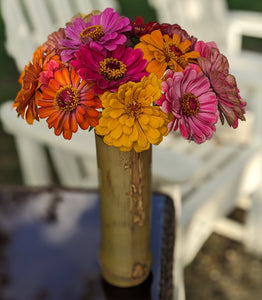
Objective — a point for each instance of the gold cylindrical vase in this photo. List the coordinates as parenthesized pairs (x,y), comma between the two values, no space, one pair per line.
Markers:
(125,207)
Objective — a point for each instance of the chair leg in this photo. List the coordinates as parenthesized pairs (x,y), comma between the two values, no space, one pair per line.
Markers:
(34,163)
(252,234)
(67,167)
(178,271)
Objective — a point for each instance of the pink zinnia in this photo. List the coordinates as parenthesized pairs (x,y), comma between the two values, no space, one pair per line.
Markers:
(215,66)
(46,75)
(103,32)
(108,70)
(188,96)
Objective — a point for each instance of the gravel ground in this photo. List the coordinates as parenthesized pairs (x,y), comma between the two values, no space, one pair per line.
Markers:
(223,270)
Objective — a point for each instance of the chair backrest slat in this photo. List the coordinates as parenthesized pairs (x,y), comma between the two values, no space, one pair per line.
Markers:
(39,14)
(29,22)
(205,19)
(20,43)
(85,6)
(62,11)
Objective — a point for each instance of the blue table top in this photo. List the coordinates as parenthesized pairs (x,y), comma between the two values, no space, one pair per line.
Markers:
(49,245)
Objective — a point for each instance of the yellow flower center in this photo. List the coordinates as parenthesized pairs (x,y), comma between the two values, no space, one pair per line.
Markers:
(189,104)
(66,98)
(139,27)
(112,69)
(94,32)
(134,109)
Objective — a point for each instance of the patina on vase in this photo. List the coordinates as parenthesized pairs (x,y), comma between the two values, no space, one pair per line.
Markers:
(125,205)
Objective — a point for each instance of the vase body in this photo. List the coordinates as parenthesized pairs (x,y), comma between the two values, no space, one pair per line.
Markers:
(125,207)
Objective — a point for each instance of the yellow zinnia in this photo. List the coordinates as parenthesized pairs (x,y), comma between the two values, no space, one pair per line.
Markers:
(129,120)
(163,52)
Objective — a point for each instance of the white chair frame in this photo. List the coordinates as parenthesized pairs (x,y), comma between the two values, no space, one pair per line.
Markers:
(206,181)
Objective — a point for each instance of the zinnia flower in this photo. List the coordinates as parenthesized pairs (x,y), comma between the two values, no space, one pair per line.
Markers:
(49,69)
(53,42)
(215,66)
(103,32)
(192,102)
(139,28)
(27,98)
(111,69)
(68,102)
(129,121)
(162,52)
(176,29)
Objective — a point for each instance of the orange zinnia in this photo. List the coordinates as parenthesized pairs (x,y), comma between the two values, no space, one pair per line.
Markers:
(27,98)
(68,102)
(163,52)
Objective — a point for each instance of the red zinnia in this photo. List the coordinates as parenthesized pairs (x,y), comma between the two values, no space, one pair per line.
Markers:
(139,28)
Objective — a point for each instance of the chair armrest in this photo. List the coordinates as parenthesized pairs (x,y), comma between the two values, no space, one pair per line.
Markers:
(242,23)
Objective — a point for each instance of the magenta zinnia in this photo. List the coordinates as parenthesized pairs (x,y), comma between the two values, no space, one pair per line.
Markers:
(104,32)
(188,96)
(111,69)
(68,102)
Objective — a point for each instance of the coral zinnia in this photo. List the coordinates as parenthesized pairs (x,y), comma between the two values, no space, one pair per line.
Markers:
(161,52)
(111,69)
(129,120)
(68,102)
(192,102)
(53,42)
(27,98)
(103,32)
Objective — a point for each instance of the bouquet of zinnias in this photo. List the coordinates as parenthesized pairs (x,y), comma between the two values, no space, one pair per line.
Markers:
(133,82)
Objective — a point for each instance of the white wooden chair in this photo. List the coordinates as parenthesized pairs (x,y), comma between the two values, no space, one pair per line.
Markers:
(207,181)
(210,20)
(30,22)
